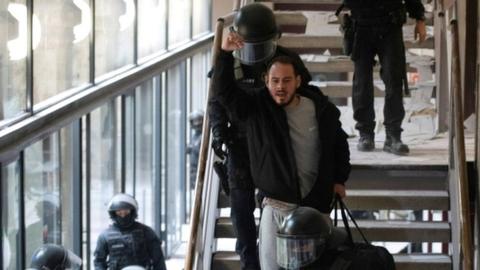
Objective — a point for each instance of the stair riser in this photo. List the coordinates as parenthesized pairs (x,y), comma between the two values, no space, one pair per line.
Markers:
(412,235)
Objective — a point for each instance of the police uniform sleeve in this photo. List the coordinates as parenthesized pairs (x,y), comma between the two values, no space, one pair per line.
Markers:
(218,119)
(101,254)
(154,245)
(415,9)
(224,87)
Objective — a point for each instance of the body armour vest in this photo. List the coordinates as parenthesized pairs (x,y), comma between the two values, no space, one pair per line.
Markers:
(127,247)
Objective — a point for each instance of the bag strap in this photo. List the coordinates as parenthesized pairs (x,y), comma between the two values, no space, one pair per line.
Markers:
(346,212)
(339,9)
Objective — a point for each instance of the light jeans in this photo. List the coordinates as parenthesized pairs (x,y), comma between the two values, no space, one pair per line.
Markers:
(272,218)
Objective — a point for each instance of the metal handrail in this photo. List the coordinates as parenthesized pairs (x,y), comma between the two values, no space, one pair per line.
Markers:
(18,136)
(457,157)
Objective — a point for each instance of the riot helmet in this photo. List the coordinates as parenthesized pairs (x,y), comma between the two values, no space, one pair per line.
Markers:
(54,257)
(255,23)
(133,267)
(302,238)
(196,119)
(123,201)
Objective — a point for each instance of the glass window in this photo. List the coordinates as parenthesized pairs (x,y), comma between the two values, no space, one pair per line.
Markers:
(85,191)
(198,95)
(151,27)
(163,157)
(10,211)
(114,25)
(13,53)
(179,21)
(129,101)
(201,16)
(68,169)
(105,166)
(46,195)
(61,57)
(145,144)
(175,132)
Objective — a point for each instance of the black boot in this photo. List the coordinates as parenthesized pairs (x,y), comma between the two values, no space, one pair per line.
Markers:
(393,144)
(366,143)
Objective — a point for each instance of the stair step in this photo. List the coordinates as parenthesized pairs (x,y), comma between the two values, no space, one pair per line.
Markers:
(299,18)
(227,260)
(397,199)
(333,64)
(306,1)
(405,177)
(290,18)
(331,5)
(301,42)
(375,230)
(336,89)
(327,64)
(385,199)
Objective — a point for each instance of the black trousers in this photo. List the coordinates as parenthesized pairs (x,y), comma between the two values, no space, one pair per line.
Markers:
(242,206)
(386,41)
(242,203)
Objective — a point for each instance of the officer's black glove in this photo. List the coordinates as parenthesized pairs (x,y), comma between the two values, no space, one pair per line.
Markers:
(221,170)
(217,145)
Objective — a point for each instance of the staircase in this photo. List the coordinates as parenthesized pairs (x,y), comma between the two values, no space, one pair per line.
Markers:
(384,191)
(401,200)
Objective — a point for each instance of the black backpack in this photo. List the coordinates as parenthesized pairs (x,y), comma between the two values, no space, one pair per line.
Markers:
(359,256)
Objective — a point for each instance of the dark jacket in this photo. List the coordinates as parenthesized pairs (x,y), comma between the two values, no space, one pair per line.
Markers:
(137,245)
(272,160)
(231,131)
(414,8)
(224,126)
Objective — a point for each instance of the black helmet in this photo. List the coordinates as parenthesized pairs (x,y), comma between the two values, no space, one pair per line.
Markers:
(196,119)
(302,238)
(255,23)
(122,201)
(54,257)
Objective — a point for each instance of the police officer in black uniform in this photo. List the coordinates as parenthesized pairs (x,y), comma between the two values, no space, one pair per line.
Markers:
(378,31)
(127,242)
(54,257)
(255,24)
(193,148)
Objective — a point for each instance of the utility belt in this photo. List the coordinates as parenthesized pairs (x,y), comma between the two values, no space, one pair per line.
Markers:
(380,17)
(392,16)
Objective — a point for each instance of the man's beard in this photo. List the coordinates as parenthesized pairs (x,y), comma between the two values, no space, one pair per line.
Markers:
(292,98)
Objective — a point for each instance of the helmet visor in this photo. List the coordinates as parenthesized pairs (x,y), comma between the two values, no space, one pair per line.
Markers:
(255,52)
(293,253)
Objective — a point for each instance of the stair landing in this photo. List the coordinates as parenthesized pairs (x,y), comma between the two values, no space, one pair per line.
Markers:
(424,151)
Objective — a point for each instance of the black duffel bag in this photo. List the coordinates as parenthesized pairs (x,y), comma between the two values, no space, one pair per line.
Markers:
(358,256)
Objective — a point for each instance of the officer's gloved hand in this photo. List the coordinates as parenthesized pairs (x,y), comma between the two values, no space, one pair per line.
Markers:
(217,145)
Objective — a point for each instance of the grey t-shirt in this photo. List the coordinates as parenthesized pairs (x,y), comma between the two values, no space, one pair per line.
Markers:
(305,142)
